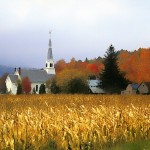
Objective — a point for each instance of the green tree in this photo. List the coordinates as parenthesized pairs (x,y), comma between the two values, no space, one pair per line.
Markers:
(77,85)
(113,80)
(3,88)
(42,89)
(72,81)
(34,91)
(19,88)
(54,87)
(86,60)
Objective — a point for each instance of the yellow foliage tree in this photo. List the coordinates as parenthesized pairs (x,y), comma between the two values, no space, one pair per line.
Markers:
(64,78)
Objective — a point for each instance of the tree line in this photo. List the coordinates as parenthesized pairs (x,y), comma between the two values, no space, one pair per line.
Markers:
(115,70)
(135,65)
(72,77)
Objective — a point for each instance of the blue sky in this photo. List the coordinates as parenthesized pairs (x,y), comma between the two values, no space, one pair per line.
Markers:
(80,29)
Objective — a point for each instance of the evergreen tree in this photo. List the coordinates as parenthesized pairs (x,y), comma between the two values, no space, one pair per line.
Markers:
(113,80)
(34,91)
(86,60)
(19,88)
(42,89)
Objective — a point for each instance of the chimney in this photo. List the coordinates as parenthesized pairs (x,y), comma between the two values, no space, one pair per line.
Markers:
(14,70)
(19,71)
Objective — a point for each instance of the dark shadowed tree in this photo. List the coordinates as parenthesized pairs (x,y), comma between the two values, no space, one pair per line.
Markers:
(42,89)
(34,91)
(113,80)
(19,88)
(26,85)
(3,88)
(78,86)
(54,87)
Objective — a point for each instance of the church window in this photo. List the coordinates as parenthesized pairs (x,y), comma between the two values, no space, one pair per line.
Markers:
(51,65)
(36,88)
(46,64)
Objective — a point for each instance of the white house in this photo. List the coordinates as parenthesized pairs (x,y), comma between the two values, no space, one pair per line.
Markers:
(36,77)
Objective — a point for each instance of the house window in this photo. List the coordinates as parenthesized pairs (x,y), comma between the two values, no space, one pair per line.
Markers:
(36,88)
(51,65)
(46,64)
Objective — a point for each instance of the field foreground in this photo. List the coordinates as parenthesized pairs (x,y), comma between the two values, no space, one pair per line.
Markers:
(72,122)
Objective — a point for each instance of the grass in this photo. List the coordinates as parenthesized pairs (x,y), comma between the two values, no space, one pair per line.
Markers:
(137,145)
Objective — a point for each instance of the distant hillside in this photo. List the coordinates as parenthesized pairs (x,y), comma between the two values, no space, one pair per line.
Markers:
(5,69)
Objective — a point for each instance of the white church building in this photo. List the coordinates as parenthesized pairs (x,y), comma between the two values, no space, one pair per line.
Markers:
(36,76)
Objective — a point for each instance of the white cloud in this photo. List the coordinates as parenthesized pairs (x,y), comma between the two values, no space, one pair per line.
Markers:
(80,26)
(18,13)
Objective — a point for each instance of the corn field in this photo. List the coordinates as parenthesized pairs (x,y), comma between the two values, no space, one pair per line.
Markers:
(72,122)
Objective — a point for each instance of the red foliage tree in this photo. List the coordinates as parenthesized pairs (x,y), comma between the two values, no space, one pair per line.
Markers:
(136,65)
(26,85)
(60,65)
(93,68)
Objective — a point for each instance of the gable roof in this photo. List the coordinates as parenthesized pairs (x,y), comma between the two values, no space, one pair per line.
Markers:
(94,86)
(13,78)
(94,83)
(36,76)
(134,86)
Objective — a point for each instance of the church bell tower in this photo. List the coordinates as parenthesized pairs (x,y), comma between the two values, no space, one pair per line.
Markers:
(50,61)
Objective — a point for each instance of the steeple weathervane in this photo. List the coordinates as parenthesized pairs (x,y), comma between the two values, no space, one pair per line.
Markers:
(50,32)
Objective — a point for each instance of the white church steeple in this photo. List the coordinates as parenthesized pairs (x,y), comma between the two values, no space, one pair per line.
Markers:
(50,62)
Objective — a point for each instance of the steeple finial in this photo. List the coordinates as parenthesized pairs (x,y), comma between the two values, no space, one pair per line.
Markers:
(50,32)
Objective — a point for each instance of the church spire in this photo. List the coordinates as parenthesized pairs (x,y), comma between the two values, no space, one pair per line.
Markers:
(50,54)
(50,62)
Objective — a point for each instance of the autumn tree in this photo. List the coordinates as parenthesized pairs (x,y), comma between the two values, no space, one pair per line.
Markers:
(68,78)
(113,80)
(26,85)
(93,69)
(60,65)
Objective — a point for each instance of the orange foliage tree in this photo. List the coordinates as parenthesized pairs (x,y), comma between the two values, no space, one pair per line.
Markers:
(135,64)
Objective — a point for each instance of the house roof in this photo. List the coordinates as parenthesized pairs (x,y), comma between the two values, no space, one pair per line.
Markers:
(96,90)
(36,76)
(13,78)
(94,83)
(94,86)
(134,86)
